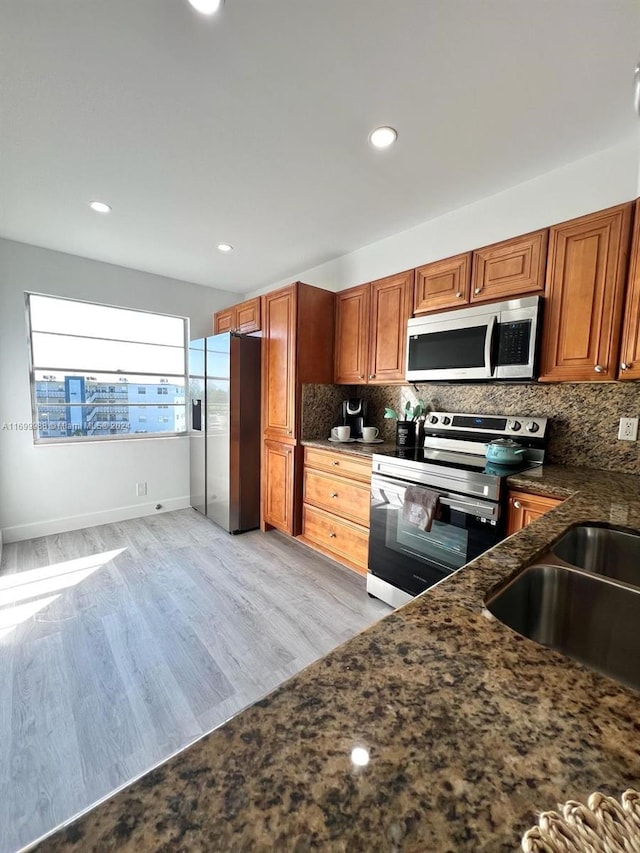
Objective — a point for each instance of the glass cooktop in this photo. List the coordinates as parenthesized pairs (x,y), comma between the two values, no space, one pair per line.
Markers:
(453,459)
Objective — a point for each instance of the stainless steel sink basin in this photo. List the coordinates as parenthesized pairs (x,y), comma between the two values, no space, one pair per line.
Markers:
(609,551)
(588,617)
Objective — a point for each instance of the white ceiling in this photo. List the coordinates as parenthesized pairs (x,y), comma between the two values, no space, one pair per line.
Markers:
(251,127)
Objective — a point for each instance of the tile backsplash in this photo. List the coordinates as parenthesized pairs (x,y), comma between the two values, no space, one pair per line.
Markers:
(584,416)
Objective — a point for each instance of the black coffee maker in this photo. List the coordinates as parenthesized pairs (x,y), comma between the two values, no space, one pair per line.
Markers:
(354,414)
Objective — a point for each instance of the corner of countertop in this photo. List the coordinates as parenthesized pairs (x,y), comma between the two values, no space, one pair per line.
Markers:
(565,481)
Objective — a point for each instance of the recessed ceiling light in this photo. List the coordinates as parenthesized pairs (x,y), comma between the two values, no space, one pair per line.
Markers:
(206,7)
(224,247)
(383,137)
(99,207)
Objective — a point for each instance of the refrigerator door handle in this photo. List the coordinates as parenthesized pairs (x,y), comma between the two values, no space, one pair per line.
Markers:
(196,415)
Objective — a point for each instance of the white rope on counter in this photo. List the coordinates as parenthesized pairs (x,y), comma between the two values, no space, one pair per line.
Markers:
(602,826)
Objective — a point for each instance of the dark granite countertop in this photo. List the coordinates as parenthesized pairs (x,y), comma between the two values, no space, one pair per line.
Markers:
(470,729)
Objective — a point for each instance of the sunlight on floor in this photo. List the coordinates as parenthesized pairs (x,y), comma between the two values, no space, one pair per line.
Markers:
(39,588)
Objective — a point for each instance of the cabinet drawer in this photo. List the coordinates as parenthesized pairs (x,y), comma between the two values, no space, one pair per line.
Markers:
(340,537)
(338,463)
(338,495)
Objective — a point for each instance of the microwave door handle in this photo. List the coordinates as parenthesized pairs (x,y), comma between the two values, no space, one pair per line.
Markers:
(488,346)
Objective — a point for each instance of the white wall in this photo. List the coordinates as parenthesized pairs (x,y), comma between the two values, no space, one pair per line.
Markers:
(50,488)
(592,183)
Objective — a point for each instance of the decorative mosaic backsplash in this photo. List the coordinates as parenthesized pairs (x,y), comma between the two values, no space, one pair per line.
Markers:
(584,416)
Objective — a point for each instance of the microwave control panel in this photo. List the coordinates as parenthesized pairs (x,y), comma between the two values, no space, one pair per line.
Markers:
(514,342)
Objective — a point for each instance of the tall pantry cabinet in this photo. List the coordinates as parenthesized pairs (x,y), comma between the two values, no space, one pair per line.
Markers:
(298,333)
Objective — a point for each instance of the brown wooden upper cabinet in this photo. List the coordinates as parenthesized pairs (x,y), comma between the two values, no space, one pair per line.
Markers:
(503,270)
(352,335)
(510,268)
(244,317)
(371,331)
(586,272)
(443,284)
(629,367)
(279,363)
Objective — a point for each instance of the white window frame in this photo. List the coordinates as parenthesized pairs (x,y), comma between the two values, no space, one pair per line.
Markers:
(57,369)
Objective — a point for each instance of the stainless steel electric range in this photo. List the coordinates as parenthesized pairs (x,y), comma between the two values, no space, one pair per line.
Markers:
(404,558)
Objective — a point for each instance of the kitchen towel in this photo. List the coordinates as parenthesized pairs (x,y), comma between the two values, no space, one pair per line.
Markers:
(420,507)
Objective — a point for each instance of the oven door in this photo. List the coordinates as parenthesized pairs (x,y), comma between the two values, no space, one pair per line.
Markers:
(411,559)
(456,347)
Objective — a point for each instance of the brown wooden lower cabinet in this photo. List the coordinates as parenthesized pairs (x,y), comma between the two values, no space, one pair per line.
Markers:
(342,497)
(335,512)
(341,538)
(341,464)
(523,508)
(279,483)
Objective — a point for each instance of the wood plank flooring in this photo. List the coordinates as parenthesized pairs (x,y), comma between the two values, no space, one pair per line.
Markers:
(123,643)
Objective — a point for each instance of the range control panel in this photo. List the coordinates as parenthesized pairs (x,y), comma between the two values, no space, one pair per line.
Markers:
(493,425)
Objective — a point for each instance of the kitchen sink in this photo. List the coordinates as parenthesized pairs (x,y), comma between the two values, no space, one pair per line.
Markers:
(589,617)
(604,550)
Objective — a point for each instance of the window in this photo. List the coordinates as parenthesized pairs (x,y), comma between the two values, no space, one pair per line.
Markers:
(90,362)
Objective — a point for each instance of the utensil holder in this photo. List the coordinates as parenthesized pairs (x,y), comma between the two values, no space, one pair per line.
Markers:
(406,434)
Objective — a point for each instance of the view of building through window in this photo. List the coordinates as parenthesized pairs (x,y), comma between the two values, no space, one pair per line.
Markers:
(96,370)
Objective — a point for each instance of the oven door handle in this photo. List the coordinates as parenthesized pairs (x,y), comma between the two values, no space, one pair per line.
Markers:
(459,502)
(482,510)
(479,509)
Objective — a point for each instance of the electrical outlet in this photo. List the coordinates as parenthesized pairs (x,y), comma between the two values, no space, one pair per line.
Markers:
(141,490)
(628,430)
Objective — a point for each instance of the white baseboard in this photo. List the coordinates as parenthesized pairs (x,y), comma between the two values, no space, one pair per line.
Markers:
(91,519)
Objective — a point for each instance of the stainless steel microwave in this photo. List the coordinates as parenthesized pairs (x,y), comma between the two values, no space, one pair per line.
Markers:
(487,342)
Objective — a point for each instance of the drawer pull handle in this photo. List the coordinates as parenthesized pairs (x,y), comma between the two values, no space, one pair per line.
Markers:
(372,376)
(477,290)
(625,365)
(334,494)
(599,368)
(517,504)
(332,536)
(459,295)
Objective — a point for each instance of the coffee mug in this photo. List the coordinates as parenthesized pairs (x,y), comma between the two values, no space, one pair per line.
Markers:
(370,433)
(341,433)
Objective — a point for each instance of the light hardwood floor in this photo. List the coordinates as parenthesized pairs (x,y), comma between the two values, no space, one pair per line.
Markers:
(123,643)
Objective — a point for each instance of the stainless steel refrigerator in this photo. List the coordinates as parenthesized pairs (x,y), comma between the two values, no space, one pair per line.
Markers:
(224,429)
